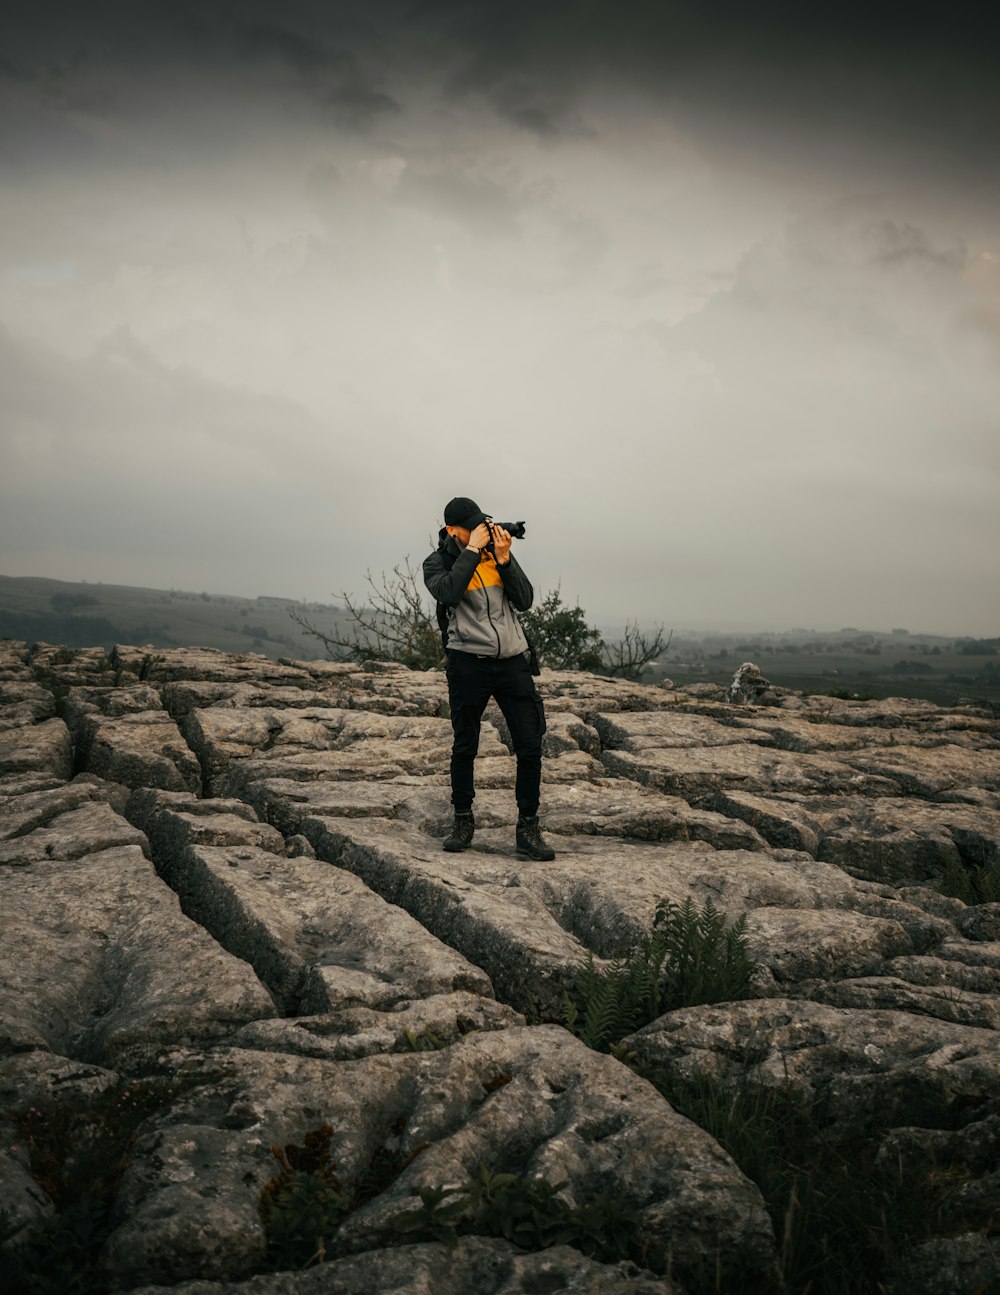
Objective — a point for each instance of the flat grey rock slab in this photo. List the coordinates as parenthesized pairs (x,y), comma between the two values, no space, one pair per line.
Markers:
(638,731)
(944,1000)
(23,702)
(530,925)
(569,767)
(902,840)
(933,772)
(159,665)
(174,820)
(29,810)
(13,785)
(697,772)
(139,750)
(223,735)
(37,748)
(531,1100)
(897,839)
(797,733)
(863,1069)
(285,802)
(69,667)
(386,760)
(600,806)
(107,699)
(185,695)
(473,902)
(317,936)
(38,1077)
(15,660)
(323,672)
(593,694)
(953,966)
(374,761)
(784,821)
(474,1266)
(894,712)
(92,827)
(980,922)
(419,1024)
(971,953)
(798,944)
(96,959)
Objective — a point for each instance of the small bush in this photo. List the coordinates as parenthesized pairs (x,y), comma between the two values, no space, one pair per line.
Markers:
(845,1224)
(302,1206)
(690,957)
(972,885)
(528,1211)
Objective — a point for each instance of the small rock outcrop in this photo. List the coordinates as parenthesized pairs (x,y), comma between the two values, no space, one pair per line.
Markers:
(229,927)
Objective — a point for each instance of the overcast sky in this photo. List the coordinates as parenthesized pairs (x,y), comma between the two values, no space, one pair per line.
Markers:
(709,295)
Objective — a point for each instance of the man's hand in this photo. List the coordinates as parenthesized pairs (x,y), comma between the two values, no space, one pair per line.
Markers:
(480,537)
(501,548)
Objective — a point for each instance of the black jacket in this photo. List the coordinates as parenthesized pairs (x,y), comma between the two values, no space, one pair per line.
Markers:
(477,600)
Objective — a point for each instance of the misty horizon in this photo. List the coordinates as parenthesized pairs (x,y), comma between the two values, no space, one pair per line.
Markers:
(608,626)
(714,306)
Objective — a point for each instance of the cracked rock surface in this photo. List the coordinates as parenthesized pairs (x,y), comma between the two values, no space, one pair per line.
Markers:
(224,896)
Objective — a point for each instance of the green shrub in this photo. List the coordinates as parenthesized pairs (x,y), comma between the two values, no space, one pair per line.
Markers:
(972,885)
(302,1206)
(844,1223)
(78,1149)
(528,1211)
(691,956)
(561,635)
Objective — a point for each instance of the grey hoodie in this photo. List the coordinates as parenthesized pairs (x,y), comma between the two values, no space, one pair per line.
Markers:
(482,599)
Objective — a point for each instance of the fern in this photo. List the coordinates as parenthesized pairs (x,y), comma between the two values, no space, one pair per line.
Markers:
(976,884)
(690,957)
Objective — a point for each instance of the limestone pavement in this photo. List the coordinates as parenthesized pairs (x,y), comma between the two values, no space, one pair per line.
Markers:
(224,874)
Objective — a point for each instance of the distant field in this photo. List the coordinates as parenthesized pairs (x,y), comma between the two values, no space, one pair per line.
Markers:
(82,615)
(946,677)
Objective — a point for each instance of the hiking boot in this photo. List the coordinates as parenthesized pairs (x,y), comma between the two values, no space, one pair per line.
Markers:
(461,833)
(530,841)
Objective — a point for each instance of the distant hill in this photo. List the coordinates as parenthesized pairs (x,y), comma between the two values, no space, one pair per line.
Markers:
(847,662)
(81,614)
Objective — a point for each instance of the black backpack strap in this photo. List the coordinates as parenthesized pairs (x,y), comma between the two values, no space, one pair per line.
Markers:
(442,611)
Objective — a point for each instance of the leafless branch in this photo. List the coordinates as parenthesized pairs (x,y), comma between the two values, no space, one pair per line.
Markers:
(394,625)
(628,657)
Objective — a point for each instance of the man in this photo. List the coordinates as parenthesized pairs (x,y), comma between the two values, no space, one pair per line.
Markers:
(478,595)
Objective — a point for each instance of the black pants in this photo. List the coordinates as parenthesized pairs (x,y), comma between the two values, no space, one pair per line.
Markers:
(472,681)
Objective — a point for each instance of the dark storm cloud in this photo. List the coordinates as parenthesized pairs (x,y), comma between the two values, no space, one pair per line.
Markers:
(919,80)
(105,44)
(332,76)
(916,83)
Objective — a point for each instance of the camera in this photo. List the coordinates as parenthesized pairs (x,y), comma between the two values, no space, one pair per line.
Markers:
(515,529)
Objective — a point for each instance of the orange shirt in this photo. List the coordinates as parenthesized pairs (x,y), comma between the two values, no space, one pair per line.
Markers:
(486,572)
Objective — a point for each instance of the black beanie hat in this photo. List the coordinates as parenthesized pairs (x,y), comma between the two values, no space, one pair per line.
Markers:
(463,512)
